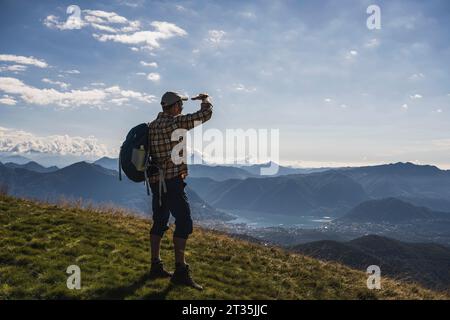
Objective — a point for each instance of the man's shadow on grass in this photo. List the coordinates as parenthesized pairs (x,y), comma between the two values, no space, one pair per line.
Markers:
(120,293)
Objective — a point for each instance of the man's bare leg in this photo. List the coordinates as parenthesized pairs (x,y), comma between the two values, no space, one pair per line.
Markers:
(155,244)
(157,268)
(179,245)
(182,274)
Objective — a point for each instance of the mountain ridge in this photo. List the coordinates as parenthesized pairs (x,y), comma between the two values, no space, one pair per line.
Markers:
(390,210)
(92,183)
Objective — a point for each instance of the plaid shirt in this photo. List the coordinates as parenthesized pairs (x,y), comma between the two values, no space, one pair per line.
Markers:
(160,134)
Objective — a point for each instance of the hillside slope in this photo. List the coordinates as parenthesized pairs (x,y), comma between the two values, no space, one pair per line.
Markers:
(425,263)
(39,241)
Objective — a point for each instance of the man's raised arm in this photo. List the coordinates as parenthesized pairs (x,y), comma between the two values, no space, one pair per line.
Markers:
(190,120)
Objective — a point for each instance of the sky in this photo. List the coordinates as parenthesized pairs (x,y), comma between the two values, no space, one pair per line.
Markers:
(74,82)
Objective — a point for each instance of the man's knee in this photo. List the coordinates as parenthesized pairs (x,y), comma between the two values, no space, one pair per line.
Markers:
(183,227)
(158,230)
(160,224)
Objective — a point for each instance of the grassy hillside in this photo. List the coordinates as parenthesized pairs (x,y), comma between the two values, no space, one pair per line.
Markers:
(39,241)
(425,263)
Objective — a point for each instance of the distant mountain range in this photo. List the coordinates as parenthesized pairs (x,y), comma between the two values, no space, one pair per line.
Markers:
(44,159)
(391,210)
(17,159)
(331,192)
(255,169)
(425,263)
(91,183)
(108,163)
(32,166)
(419,184)
(221,172)
(324,193)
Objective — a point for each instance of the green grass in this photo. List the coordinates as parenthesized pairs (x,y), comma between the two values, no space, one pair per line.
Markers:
(38,241)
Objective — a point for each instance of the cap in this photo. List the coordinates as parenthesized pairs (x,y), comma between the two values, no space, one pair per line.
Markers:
(170,98)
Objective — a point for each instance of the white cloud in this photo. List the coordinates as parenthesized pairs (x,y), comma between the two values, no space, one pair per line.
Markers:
(149,64)
(248,15)
(132,27)
(179,7)
(141,73)
(23,60)
(71,23)
(404,106)
(416,96)
(13,68)
(372,43)
(344,106)
(351,55)
(37,96)
(153,76)
(102,21)
(19,141)
(62,85)
(163,30)
(119,93)
(105,17)
(8,100)
(103,28)
(73,98)
(134,49)
(185,10)
(119,101)
(241,88)
(97,84)
(134,4)
(93,19)
(327,100)
(416,76)
(216,37)
(97,19)
(72,71)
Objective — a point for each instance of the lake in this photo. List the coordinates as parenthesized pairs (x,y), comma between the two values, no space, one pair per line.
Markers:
(257,219)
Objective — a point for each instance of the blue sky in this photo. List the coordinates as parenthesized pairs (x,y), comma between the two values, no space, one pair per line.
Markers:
(339,93)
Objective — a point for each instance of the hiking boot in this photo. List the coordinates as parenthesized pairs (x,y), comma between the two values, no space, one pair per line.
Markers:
(182,276)
(157,271)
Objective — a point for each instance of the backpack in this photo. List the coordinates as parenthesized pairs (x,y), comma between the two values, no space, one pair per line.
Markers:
(134,156)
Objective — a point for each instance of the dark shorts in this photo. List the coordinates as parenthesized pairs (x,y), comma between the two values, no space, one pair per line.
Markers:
(174,202)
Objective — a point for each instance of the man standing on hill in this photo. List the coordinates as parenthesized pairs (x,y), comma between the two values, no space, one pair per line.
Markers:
(168,184)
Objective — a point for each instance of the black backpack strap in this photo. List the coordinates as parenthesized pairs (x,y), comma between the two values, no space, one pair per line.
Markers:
(147,161)
(146,178)
(120,166)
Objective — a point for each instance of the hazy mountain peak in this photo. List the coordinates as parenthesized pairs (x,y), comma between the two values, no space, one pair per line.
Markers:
(84,167)
(391,210)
